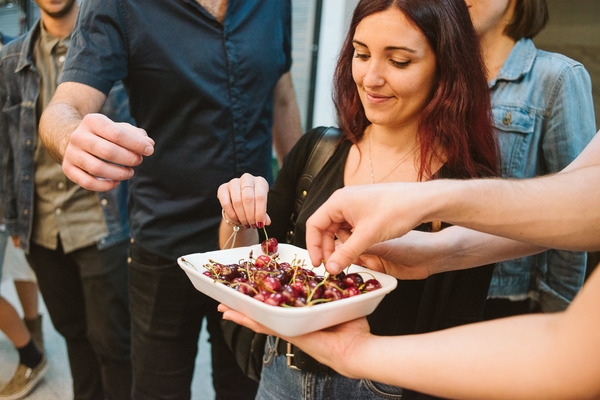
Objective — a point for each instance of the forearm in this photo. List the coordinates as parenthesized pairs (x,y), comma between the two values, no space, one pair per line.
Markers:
(70,103)
(517,358)
(57,122)
(467,248)
(287,128)
(558,211)
(244,236)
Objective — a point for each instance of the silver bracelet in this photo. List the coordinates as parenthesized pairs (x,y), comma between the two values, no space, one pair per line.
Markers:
(236,228)
(226,220)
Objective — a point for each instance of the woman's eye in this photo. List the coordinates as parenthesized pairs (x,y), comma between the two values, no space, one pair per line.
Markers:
(361,56)
(400,64)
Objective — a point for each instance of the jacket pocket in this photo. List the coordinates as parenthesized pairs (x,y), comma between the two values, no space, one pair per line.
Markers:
(515,127)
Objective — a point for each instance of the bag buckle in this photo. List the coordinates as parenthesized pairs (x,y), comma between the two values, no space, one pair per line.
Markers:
(289,355)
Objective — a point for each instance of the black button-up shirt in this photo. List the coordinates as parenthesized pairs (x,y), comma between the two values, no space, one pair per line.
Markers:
(201,89)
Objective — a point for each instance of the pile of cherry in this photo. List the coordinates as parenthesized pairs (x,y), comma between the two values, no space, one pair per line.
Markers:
(279,283)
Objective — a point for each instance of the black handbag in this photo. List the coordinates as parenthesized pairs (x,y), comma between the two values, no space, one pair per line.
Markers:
(247,345)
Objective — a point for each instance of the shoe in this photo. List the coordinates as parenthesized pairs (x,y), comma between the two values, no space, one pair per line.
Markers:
(23,381)
(34,327)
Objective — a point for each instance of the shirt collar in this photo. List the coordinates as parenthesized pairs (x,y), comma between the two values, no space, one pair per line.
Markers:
(518,63)
(48,42)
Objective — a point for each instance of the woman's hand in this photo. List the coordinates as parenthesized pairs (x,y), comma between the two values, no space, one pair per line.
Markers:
(244,201)
(336,346)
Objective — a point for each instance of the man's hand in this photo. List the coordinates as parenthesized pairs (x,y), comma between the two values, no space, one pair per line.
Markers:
(100,153)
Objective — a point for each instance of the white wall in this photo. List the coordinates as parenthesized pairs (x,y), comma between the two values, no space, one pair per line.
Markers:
(334,24)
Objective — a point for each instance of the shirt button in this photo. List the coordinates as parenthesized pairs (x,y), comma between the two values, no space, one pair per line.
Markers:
(131,240)
(304,193)
(25,212)
(58,211)
(61,59)
(61,185)
(26,177)
(28,142)
(103,202)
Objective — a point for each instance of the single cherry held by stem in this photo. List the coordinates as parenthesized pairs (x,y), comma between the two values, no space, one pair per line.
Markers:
(269,245)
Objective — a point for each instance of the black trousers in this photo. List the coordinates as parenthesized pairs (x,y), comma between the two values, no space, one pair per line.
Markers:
(167,313)
(86,293)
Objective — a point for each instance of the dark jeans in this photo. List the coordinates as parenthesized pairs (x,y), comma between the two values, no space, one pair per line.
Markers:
(167,313)
(86,293)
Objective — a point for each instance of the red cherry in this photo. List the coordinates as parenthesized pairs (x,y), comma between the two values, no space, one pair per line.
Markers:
(269,246)
(262,261)
(371,284)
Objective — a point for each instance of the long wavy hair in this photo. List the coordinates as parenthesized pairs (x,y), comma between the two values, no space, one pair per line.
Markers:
(456,125)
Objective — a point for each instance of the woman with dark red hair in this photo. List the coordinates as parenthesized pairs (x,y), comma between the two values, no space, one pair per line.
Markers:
(413,104)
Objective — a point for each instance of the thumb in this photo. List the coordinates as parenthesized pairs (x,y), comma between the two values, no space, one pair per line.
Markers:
(346,253)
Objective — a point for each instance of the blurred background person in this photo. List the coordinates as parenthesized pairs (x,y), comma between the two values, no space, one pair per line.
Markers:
(75,240)
(4,39)
(544,116)
(25,334)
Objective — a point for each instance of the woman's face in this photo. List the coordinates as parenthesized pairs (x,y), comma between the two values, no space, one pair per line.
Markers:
(490,15)
(394,69)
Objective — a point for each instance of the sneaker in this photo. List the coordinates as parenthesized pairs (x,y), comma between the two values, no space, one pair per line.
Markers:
(23,381)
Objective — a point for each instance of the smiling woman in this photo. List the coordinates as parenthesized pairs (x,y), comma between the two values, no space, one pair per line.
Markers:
(412,100)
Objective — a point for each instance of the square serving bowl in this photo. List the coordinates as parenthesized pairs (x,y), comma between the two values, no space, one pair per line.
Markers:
(287,321)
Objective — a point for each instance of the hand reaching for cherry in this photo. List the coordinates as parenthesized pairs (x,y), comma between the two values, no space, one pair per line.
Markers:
(244,201)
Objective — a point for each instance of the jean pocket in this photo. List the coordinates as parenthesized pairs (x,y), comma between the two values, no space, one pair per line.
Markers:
(381,390)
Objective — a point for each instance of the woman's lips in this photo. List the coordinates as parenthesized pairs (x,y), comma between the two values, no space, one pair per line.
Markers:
(377,98)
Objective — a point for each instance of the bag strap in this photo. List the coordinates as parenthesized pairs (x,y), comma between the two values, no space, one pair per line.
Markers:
(320,154)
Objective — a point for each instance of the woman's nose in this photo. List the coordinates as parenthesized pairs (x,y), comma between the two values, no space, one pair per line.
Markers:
(374,75)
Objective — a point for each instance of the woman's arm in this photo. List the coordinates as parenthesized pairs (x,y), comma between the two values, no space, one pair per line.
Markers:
(418,255)
(536,356)
(558,211)
(287,128)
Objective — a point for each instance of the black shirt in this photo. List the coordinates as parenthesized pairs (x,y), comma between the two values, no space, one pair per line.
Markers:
(203,91)
(415,306)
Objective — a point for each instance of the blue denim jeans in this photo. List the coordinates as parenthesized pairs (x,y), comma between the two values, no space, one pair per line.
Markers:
(167,313)
(280,382)
(86,293)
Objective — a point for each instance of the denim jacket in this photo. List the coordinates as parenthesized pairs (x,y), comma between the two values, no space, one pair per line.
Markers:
(544,115)
(19,90)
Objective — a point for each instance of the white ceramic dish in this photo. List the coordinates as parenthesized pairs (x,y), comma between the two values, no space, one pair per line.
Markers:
(285,321)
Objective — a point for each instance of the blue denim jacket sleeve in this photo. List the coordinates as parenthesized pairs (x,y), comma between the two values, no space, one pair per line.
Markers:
(543,112)
(569,129)
(6,158)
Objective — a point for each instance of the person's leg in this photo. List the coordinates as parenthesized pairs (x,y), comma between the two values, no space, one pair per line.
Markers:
(28,293)
(104,279)
(32,364)
(28,296)
(166,314)
(12,325)
(225,367)
(60,284)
